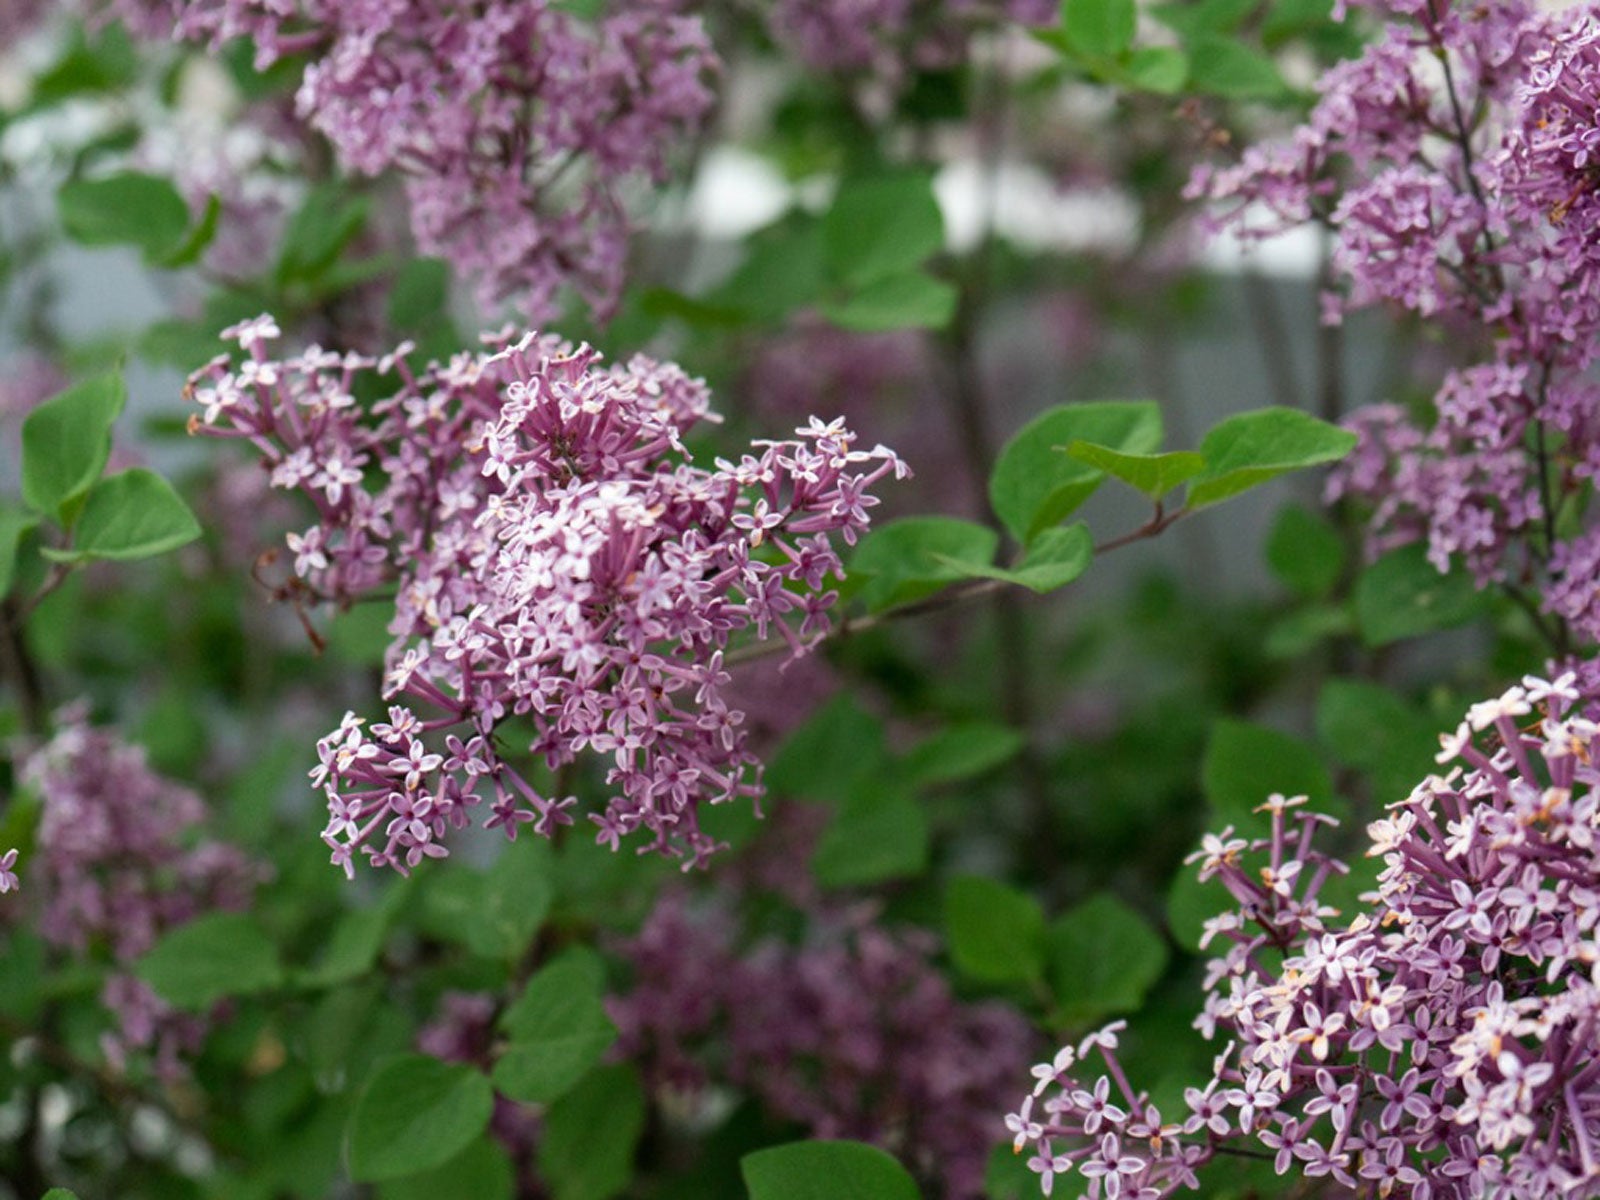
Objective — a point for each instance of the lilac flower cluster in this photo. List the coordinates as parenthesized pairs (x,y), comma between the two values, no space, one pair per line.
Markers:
(853,1035)
(562,572)
(1437,1045)
(518,125)
(115,865)
(883,37)
(1452,163)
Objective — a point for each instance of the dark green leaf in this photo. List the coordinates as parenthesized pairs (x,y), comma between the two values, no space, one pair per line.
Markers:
(914,300)
(1305,551)
(558,1029)
(1369,727)
(961,752)
(996,934)
(781,273)
(1153,474)
(223,954)
(197,239)
(880,833)
(420,292)
(838,746)
(482,1171)
(826,1171)
(1221,66)
(917,556)
(1104,957)
(14,526)
(130,208)
(591,1134)
(416,1113)
(880,228)
(133,514)
(1254,447)
(318,233)
(1403,595)
(66,441)
(1034,485)
(1246,763)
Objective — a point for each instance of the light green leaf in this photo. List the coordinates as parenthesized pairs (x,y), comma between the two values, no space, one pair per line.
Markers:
(1254,447)
(1245,763)
(1305,551)
(1153,474)
(1035,486)
(996,933)
(880,228)
(826,1171)
(1104,958)
(558,1029)
(129,208)
(223,954)
(416,1113)
(917,556)
(1222,66)
(782,272)
(514,899)
(1052,560)
(133,514)
(1099,29)
(591,1134)
(1403,595)
(913,300)
(66,442)
(1159,69)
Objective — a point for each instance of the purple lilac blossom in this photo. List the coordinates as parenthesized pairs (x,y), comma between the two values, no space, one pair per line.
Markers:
(882,38)
(854,1034)
(116,864)
(1437,1044)
(1453,164)
(562,574)
(517,125)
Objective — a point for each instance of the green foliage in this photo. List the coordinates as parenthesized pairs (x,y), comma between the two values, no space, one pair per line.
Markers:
(1034,485)
(995,933)
(909,301)
(960,752)
(1153,474)
(133,514)
(591,1135)
(914,557)
(66,442)
(879,833)
(558,1030)
(15,525)
(1403,595)
(880,227)
(130,208)
(1053,559)
(1246,763)
(482,1171)
(1104,958)
(416,1113)
(1256,447)
(1224,66)
(1368,727)
(1305,551)
(1099,28)
(213,957)
(826,1171)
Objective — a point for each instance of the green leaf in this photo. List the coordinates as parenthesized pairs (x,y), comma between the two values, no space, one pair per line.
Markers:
(996,933)
(591,1134)
(1007,1176)
(1254,447)
(1369,727)
(133,514)
(1159,69)
(66,442)
(223,954)
(824,759)
(60,1194)
(1053,559)
(879,228)
(514,899)
(197,239)
(1035,486)
(1190,904)
(420,292)
(1403,595)
(880,833)
(1305,551)
(961,752)
(14,526)
(781,273)
(1221,66)
(1153,474)
(482,1171)
(917,556)
(914,300)
(558,1029)
(826,1171)
(1193,20)
(129,208)
(1099,28)
(318,233)
(354,945)
(1245,763)
(416,1113)
(1104,958)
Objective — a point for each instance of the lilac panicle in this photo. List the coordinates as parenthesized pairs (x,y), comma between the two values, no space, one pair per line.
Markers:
(1437,1044)
(562,574)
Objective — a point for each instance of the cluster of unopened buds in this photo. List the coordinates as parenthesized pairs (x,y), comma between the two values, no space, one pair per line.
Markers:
(1437,1044)
(563,574)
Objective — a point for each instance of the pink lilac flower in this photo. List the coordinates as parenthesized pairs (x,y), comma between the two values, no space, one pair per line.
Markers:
(853,1034)
(518,125)
(563,574)
(1437,1042)
(116,865)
